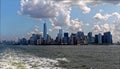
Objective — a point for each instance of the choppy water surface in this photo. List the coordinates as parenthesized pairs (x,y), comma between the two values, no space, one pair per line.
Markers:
(59,57)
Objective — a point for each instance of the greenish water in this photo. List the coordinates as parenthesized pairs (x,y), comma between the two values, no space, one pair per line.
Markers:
(60,57)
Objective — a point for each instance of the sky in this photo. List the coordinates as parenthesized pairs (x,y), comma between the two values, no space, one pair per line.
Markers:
(21,18)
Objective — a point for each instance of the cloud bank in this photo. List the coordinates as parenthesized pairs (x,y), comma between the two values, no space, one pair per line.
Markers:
(59,12)
(113,26)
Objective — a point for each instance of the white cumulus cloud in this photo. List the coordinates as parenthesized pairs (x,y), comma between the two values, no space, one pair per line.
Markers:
(39,8)
(58,12)
(99,16)
(75,25)
(113,26)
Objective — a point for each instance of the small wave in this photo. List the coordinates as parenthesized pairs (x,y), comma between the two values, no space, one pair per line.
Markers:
(12,60)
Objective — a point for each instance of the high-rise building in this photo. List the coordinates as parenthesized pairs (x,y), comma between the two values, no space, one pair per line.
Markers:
(22,41)
(107,38)
(39,41)
(73,39)
(80,37)
(33,39)
(45,32)
(49,39)
(60,36)
(66,38)
(90,37)
(99,38)
(96,39)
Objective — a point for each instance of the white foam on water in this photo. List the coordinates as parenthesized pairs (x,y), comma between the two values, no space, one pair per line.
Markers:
(12,60)
(62,59)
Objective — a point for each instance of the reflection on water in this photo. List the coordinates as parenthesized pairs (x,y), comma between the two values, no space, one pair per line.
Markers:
(59,57)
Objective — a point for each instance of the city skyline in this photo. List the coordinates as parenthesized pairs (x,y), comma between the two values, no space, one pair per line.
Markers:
(25,17)
(64,38)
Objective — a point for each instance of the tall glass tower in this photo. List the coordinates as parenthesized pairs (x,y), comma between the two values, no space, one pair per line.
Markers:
(45,31)
(60,34)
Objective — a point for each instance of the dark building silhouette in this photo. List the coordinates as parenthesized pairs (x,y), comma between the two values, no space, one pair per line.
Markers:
(91,39)
(73,39)
(107,38)
(60,36)
(96,39)
(80,37)
(34,39)
(44,33)
(66,38)
(23,41)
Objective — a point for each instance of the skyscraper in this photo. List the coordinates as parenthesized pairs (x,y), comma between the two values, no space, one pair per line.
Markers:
(90,37)
(73,39)
(80,37)
(99,38)
(66,38)
(45,32)
(107,38)
(33,39)
(60,36)
(96,39)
